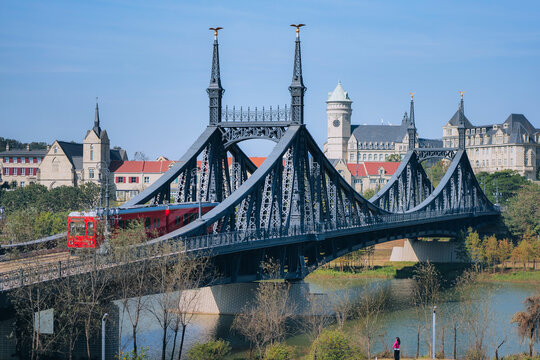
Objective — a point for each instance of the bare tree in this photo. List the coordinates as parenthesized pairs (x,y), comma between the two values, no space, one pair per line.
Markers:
(369,311)
(318,317)
(264,322)
(528,322)
(425,295)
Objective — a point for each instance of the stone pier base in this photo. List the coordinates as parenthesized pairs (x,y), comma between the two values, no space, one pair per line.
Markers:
(434,251)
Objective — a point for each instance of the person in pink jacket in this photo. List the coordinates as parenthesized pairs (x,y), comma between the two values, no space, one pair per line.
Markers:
(396,348)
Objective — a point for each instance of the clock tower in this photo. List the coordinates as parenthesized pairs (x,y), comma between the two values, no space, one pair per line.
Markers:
(338,111)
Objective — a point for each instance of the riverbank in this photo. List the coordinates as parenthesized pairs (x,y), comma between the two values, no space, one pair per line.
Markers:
(405,270)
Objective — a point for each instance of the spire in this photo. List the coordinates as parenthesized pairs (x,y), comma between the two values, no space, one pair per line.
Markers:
(215,91)
(96,128)
(411,130)
(297,87)
(461,124)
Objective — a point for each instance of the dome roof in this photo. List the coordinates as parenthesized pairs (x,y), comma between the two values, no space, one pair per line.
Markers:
(339,94)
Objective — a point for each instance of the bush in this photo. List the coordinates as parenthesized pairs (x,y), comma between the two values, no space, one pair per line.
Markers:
(279,352)
(212,350)
(332,345)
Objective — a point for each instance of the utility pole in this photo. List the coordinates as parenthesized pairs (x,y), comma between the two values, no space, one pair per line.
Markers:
(433,342)
(105,316)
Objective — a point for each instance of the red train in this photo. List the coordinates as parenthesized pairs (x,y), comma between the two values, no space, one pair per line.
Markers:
(83,230)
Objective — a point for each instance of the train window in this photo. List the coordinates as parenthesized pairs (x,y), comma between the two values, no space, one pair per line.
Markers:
(147,223)
(121,224)
(76,228)
(156,223)
(90,231)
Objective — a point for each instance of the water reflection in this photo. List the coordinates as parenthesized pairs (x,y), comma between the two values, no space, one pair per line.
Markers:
(401,318)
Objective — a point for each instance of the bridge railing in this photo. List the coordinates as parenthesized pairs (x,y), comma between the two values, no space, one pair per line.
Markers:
(282,114)
(44,272)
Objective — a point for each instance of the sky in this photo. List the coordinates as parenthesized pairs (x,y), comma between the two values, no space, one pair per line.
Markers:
(149,64)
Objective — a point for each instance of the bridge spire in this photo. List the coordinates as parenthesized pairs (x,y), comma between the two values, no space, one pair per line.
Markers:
(411,130)
(297,87)
(461,124)
(215,90)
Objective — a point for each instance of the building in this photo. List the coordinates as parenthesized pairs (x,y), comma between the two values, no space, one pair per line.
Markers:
(132,177)
(359,152)
(513,144)
(71,164)
(358,143)
(20,165)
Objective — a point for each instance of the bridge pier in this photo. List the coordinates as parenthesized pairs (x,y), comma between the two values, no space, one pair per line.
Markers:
(433,251)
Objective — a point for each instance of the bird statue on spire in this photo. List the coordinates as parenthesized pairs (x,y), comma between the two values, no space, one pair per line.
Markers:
(298,26)
(216,29)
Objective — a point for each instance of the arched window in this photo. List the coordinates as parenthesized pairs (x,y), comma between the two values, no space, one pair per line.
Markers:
(91,152)
(55,165)
(56,149)
(369,157)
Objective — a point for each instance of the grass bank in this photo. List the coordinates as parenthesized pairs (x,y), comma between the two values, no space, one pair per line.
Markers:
(405,270)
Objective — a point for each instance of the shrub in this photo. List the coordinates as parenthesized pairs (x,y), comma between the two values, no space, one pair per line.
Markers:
(332,345)
(212,350)
(279,352)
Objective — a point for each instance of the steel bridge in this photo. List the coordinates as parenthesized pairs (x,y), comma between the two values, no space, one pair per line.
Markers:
(296,208)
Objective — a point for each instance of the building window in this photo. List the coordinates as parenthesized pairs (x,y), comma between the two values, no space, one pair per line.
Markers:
(6,171)
(39,160)
(23,160)
(22,184)
(364,157)
(133,179)
(120,179)
(90,173)
(351,157)
(23,171)
(373,181)
(147,179)
(91,152)
(6,159)
(56,149)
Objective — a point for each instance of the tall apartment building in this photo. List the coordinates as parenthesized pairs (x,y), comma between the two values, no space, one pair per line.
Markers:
(513,144)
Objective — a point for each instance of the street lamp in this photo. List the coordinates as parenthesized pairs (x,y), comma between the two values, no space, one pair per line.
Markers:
(434,322)
(105,316)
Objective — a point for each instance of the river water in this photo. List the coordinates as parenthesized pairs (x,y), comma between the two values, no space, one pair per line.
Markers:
(399,319)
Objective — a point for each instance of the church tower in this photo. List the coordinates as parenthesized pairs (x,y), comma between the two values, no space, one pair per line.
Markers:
(96,152)
(338,111)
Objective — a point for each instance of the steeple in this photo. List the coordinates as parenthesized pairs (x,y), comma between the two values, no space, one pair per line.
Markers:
(461,124)
(297,87)
(215,91)
(411,130)
(96,128)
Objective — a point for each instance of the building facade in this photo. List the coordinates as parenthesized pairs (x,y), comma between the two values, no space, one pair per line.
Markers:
(132,177)
(513,144)
(20,165)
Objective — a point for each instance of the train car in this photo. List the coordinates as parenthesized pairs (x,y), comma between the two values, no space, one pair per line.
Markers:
(83,230)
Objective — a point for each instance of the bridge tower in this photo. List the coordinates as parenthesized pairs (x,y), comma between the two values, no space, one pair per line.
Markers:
(297,88)
(215,90)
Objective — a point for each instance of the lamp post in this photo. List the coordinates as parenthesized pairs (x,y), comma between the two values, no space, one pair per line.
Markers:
(105,316)
(434,323)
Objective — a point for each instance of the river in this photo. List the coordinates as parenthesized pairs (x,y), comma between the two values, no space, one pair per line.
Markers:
(399,319)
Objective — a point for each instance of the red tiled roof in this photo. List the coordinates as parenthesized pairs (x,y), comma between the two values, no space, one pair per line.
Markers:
(371,168)
(140,166)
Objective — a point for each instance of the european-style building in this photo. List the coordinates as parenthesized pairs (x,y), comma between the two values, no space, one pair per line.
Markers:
(513,144)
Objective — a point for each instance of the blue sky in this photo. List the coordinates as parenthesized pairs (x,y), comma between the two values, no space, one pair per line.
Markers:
(149,63)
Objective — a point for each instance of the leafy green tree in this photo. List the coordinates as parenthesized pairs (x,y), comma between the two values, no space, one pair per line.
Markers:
(212,350)
(279,351)
(436,170)
(369,193)
(507,183)
(332,345)
(394,158)
(474,246)
(522,252)
(491,250)
(23,197)
(523,211)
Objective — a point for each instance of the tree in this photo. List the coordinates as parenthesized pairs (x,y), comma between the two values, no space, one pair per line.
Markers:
(393,158)
(368,312)
(436,170)
(212,350)
(507,183)
(369,193)
(523,211)
(522,252)
(263,322)
(332,345)
(140,156)
(474,246)
(425,294)
(491,250)
(528,322)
